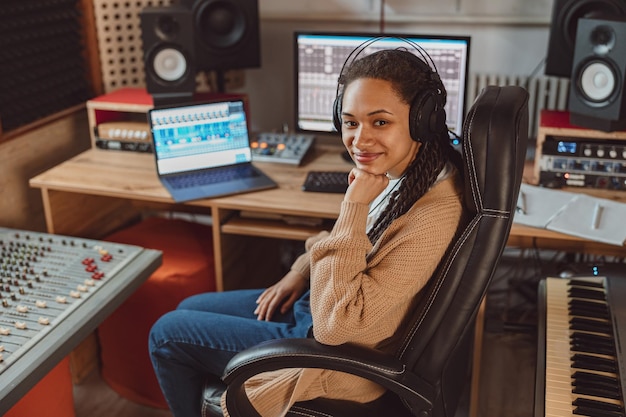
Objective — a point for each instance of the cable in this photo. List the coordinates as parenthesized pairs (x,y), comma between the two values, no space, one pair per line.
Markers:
(534,71)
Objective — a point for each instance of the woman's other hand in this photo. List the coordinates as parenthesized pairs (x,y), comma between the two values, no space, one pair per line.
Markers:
(281,296)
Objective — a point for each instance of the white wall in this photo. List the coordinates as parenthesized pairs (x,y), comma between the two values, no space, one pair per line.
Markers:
(513,42)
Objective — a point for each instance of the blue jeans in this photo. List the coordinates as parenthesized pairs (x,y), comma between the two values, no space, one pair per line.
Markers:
(196,341)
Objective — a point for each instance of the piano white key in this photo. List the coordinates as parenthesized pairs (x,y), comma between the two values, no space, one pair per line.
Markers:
(558,400)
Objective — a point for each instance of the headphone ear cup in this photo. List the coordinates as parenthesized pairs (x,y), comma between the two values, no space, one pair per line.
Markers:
(337,112)
(427,117)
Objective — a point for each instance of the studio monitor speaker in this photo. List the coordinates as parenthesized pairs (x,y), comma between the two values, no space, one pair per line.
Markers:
(597,98)
(565,15)
(168,45)
(226,33)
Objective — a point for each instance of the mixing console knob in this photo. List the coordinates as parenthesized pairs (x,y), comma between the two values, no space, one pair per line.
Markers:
(5,331)
(600,153)
(587,152)
(613,153)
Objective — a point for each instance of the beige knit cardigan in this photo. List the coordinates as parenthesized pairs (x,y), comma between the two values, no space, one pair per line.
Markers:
(360,293)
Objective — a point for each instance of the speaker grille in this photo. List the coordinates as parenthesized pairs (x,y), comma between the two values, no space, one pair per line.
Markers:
(42,65)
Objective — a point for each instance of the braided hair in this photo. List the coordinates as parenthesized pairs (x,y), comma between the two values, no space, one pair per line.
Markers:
(398,66)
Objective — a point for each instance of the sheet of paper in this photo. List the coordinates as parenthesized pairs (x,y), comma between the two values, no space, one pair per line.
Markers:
(592,218)
(536,206)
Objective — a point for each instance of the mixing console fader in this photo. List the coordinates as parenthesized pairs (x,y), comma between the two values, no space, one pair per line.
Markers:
(53,287)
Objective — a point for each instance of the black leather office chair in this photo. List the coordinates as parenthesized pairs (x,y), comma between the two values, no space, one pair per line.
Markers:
(427,375)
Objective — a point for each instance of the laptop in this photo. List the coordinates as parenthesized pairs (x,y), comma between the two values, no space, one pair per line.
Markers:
(202,150)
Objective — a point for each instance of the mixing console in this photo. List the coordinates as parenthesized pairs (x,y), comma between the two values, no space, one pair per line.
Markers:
(286,148)
(53,287)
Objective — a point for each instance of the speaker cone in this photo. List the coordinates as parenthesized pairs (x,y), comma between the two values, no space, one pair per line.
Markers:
(167,28)
(597,82)
(567,18)
(222,24)
(169,64)
(602,39)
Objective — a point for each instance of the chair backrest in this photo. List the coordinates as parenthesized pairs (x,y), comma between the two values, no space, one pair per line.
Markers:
(437,346)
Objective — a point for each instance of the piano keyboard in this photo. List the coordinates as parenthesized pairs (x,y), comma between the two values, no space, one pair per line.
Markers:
(581,366)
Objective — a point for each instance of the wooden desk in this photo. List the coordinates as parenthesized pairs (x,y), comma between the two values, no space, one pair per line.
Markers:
(98,191)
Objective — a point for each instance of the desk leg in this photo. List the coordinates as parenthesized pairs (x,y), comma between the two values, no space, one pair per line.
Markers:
(88,216)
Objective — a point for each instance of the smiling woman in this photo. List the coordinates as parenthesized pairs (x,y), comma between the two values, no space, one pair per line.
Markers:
(354,283)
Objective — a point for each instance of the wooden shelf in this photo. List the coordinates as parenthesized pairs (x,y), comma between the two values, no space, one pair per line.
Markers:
(278,229)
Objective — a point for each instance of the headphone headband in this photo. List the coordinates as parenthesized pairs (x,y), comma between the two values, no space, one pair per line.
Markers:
(427,117)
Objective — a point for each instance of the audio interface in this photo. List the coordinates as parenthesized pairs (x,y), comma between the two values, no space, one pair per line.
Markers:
(124,136)
(580,162)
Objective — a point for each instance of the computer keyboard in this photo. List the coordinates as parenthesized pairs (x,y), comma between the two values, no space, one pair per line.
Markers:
(287,148)
(326,181)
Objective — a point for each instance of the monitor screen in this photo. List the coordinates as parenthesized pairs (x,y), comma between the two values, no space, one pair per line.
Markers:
(319,58)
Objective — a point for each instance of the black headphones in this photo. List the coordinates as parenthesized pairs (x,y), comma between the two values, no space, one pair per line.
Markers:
(427,116)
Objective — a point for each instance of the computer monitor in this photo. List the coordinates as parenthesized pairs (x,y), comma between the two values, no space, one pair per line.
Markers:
(320,56)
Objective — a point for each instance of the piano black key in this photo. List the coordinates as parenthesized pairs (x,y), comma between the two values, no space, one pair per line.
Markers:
(585,283)
(593,363)
(592,412)
(588,294)
(591,348)
(589,309)
(590,377)
(590,325)
(592,338)
(596,392)
(596,408)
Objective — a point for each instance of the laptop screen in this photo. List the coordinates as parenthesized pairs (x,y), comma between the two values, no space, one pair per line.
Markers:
(199,136)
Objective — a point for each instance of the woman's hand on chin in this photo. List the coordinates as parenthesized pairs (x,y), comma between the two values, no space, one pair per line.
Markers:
(364,186)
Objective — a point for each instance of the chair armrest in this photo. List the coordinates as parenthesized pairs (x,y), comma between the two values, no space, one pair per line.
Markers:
(368,363)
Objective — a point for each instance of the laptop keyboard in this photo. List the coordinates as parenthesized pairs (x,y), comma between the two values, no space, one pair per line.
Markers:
(213,176)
